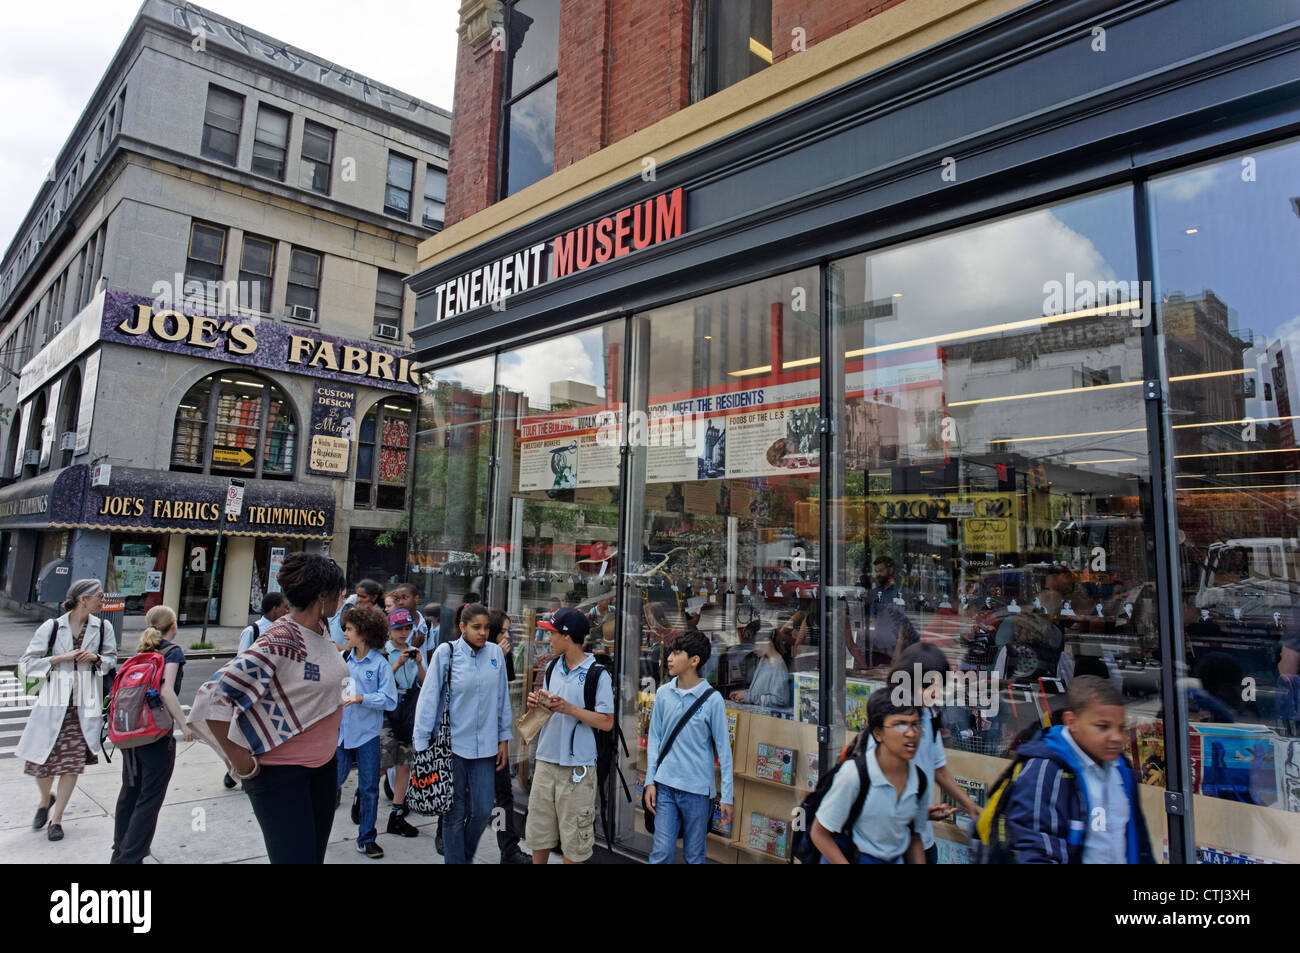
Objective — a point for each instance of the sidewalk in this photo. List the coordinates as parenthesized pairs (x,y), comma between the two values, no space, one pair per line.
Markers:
(201,822)
(16,632)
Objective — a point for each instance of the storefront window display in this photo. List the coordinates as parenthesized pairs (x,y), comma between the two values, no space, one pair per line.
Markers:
(991,482)
(137,568)
(722,532)
(1233,226)
(450,498)
(218,423)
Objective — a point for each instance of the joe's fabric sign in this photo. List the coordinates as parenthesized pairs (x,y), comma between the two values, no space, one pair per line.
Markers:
(333,428)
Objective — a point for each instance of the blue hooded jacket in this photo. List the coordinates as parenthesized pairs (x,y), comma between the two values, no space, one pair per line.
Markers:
(1047,815)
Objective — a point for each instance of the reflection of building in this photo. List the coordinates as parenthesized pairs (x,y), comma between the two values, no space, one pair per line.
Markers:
(209,286)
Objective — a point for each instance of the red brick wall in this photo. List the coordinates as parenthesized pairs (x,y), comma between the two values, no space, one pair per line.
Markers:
(623,65)
(471,170)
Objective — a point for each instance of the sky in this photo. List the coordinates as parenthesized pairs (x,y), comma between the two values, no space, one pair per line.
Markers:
(52,58)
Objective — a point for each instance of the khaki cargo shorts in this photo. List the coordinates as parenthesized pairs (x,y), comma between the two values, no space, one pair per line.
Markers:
(562,813)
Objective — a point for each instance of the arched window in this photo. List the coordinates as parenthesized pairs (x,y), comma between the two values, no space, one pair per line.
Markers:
(384,455)
(71,411)
(35,432)
(12,450)
(235,424)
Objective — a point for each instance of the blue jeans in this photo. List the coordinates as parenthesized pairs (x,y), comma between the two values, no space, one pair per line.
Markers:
(471,807)
(679,810)
(367,759)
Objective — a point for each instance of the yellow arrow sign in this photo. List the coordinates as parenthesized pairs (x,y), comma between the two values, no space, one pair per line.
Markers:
(238,457)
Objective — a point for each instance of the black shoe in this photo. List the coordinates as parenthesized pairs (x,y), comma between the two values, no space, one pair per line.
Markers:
(388,788)
(356,808)
(371,850)
(437,843)
(397,824)
(516,856)
(42,815)
(55,832)
(228,781)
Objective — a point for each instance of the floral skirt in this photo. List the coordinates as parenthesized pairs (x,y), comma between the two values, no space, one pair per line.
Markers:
(70,754)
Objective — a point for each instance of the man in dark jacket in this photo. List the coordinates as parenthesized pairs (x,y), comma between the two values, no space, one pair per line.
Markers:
(1075,800)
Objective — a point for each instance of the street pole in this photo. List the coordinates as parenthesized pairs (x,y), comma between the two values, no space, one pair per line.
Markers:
(216,557)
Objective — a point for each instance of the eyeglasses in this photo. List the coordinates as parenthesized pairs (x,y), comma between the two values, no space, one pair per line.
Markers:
(905,727)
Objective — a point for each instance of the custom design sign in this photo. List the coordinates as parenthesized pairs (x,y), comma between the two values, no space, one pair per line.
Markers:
(133,320)
(639,226)
(333,428)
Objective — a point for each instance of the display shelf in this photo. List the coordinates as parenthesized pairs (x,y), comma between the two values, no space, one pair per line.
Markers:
(770,783)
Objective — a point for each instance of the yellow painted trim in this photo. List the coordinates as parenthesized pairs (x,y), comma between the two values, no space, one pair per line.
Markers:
(876,42)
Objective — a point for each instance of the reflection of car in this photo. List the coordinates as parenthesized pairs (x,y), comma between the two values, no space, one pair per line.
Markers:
(782,584)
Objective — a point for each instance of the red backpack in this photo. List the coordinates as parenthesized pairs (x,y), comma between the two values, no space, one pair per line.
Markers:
(136,715)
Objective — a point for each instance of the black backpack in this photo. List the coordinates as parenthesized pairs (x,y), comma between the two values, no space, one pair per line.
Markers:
(802,847)
(607,743)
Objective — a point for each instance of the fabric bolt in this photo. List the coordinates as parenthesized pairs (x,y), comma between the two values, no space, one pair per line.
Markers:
(564,740)
(689,767)
(480,700)
(146,771)
(475,792)
(372,678)
(366,758)
(677,810)
(884,826)
(294,806)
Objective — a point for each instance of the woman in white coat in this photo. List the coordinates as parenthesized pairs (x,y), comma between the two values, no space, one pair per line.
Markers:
(62,734)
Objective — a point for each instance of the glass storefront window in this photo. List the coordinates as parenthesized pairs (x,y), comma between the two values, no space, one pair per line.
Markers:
(722,529)
(218,424)
(1226,238)
(450,496)
(137,568)
(990,493)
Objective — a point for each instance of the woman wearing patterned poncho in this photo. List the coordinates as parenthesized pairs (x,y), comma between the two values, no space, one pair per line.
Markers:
(274,712)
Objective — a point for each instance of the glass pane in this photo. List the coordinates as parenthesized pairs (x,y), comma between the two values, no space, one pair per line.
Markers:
(257,256)
(304,268)
(317,142)
(239,416)
(395,447)
(401,171)
(532,139)
(742,40)
(435,184)
(534,42)
(449,499)
(991,483)
(206,243)
(723,536)
(272,127)
(397,201)
(279,445)
(1232,393)
(191,428)
(220,145)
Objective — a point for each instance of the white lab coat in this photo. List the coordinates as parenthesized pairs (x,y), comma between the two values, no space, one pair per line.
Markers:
(65,679)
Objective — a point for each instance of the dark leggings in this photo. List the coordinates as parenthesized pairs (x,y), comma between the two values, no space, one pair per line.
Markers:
(146,770)
(294,806)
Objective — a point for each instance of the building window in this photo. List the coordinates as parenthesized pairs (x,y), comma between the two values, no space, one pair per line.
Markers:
(70,415)
(235,423)
(388,305)
(14,447)
(435,197)
(531,67)
(731,41)
(397,193)
(270,142)
(383,455)
(317,157)
(221,123)
(257,273)
(207,254)
(99,141)
(303,297)
(35,436)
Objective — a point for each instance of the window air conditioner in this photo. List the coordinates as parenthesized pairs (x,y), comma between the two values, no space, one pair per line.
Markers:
(300,312)
(31,458)
(68,440)
(390,331)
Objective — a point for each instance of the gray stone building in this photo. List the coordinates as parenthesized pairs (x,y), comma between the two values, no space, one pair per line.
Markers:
(209,286)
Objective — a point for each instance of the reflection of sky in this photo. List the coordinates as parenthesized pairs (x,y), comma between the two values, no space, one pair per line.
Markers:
(532,138)
(1248,236)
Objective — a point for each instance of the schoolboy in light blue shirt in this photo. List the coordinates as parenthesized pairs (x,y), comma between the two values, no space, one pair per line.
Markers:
(274,606)
(371,692)
(562,799)
(679,785)
(885,831)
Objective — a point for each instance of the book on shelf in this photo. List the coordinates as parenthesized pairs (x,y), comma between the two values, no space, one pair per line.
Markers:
(775,764)
(977,791)
(715,822)
(769,835)
(813,771)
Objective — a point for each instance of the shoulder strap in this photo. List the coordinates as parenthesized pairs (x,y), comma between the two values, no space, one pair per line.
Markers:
(546,682)
(864,786)
(54,634)
(681,722)
(589,687)
(922,782)
(257,631)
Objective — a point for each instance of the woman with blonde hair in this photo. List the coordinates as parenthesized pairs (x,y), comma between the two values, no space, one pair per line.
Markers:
(62,734)
(147,769)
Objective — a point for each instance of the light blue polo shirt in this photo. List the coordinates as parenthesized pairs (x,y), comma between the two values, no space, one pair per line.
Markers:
(883,829)
(480,700)
(1106,840)
(930,757)
(553,744)
(373,676)
(689,766)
